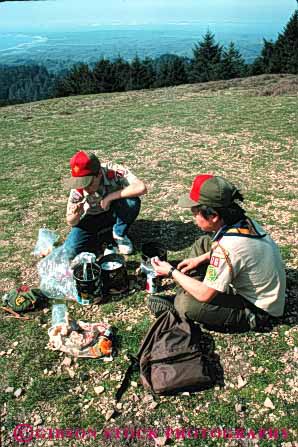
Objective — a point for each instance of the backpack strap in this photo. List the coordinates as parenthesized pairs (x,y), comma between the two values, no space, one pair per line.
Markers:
(133,366)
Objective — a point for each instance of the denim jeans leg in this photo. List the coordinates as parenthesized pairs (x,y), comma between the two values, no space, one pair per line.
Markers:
(125,212)
(80,240)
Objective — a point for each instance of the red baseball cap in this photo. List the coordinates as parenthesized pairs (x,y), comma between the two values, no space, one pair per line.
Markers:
(84,166)
(210,190)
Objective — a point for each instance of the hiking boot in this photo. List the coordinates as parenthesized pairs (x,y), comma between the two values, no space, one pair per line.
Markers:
(160,304)
(124,244)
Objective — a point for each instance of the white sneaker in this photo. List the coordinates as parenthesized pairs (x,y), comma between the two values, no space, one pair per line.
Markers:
(124,244)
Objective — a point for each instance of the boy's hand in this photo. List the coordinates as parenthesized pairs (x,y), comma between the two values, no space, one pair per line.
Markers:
(78,208)
(188,264)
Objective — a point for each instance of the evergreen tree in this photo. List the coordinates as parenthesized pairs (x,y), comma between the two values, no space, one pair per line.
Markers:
(263,63)
(206,60)
(120,72)
(171,70)
(78,81)
(103,74)
(280,56)
(285,58)
(232,63)
(142,75)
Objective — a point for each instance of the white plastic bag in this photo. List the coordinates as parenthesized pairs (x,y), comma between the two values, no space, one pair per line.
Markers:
(56,275)
(45,242)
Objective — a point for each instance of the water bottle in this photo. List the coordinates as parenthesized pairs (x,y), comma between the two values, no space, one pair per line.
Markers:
(59,312)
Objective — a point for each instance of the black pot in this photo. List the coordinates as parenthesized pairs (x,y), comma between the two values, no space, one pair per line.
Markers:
(114,274)
(88,281)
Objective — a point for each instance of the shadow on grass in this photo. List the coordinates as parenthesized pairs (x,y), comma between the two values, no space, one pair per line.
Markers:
(174,235)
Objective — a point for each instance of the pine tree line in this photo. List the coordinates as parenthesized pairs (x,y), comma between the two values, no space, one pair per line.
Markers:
(210,62)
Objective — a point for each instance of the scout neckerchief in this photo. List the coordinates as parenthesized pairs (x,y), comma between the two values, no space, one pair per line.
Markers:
(243,228)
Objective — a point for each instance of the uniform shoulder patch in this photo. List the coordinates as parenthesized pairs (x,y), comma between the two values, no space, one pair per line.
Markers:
(211,273)
(215,260)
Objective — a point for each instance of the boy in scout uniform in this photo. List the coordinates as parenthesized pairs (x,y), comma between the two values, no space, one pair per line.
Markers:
(239,276)
(101,195)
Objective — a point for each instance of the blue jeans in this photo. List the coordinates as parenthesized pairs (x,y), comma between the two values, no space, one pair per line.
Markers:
(83,237)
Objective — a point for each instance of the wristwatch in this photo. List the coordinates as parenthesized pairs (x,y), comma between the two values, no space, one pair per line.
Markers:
(170,274)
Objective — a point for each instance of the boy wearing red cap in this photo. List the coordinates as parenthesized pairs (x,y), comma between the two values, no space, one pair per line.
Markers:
(239,278)
(100,196)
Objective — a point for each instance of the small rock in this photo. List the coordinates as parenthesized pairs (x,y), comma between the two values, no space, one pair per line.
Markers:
(2,353)
(45,371)
(148,398)
(99,389)
(70,372)
(84,376)
(269,388)
(241,382)
(9,351)
(238,408)
(15,343)
(134,384)
(67,361)
(37,420)
(161,441)
(9,389)
(186,393)
(119,406)
(153,405)
(269,404)
(109,414)
(18,392)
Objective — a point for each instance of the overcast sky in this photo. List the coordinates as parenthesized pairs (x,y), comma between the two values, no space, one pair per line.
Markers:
(63,14)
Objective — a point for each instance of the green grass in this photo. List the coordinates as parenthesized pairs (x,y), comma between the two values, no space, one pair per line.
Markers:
(166,137)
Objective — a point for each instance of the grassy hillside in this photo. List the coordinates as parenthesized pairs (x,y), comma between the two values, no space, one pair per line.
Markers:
(245,130)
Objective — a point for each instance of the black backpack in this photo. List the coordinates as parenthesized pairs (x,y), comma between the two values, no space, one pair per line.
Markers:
(170,358)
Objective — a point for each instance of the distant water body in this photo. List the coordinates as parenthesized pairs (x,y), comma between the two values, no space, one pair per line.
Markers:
(89,45)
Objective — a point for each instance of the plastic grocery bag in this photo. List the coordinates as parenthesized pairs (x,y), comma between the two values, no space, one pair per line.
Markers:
(45,242)
(56,276)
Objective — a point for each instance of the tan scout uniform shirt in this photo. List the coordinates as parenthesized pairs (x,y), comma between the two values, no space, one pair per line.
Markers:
(115,177)
(256,270)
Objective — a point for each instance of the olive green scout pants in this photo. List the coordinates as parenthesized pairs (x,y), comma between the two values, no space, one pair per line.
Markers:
(225,311)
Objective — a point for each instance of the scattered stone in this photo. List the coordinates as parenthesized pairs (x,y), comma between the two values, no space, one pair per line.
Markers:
(99,389)
(84,376)
(18,392)
(119,406)
(241,382)
(153,405)
(37,420)
(70,372)
(238,408)
(161,441)
(45,371)
(269,404)
(269,388)
(109,414)
(67,361)
(148,398)
(9,389)
(9,351)
(15,343)
(2,353)
(134,384)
